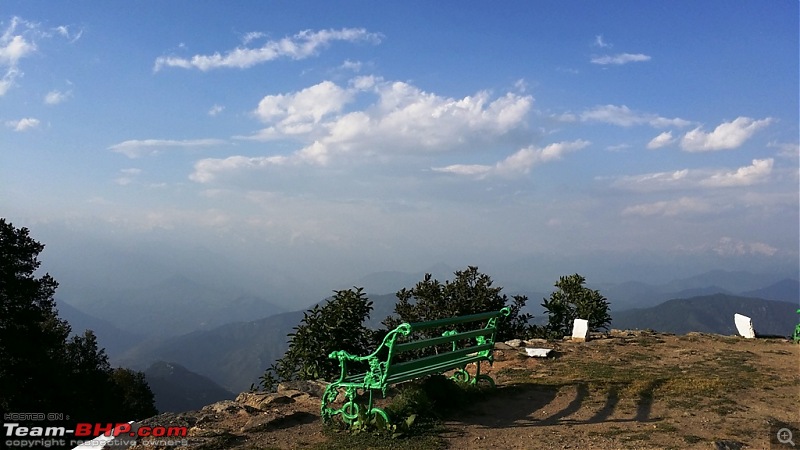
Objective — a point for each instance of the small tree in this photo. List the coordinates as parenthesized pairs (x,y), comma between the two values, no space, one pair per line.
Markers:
(573,301)
(470,292)
(339,325)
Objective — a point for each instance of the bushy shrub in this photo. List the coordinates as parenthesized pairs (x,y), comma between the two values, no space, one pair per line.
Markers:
(470,292)
(572,300)
(338,325)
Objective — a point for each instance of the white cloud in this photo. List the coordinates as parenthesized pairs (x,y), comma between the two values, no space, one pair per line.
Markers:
(728,246)
(127,176)
(18,41)
(600,42)
(519,163)
(758,172)
(252,36)
(662,140)
(56,97)
(786,150)
(64,31)
(14,45)
(402,119)
(728,135)
(138,148)
(619,59)
(25,124)
(355,66)
(302,45)
(216,109)
(207,169)
(670,208)
(296,113)
(625,117)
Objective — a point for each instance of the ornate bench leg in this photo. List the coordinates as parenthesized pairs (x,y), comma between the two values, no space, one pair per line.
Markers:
(462,376)
(328,397)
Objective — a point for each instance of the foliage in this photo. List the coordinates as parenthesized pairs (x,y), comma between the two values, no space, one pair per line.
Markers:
(40,368)
(572,300)
(339,325)
(470,292)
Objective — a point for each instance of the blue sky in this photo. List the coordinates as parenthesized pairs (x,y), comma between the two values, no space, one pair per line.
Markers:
(336,139)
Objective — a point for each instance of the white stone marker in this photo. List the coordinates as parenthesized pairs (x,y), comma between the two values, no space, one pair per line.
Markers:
(744,325)
(538,352)
(580,330)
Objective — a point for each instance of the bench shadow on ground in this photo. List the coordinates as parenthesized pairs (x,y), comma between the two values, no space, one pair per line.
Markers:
(531,405)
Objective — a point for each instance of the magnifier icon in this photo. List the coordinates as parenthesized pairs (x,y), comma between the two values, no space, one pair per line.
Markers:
(785,436)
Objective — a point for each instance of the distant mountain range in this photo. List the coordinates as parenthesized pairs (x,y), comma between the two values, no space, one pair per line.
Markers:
(711,314)
(110,337)
(235,354)
(178,389)
(176,306)
(640,295)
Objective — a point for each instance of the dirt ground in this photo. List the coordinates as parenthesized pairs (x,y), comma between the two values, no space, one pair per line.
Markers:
(628,390)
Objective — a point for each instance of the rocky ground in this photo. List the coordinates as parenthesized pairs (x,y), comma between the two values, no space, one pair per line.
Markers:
(623,390)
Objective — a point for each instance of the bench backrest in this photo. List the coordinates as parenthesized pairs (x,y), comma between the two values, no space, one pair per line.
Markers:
(480,338)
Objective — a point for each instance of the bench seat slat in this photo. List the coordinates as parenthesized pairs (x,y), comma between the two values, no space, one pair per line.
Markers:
(411,374)
(435,360)
(433,369)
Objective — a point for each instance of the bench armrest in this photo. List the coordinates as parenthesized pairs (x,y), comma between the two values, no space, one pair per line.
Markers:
(388,342)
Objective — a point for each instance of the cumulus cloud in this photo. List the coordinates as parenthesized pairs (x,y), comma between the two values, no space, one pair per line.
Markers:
(519,163)
(726,136)
(24,124)
(300,46)
(662,140)
(758,172)
(620,59)
(138,148)
(216,109)
(400,119)
(755,173)
(625,117)
(299,112)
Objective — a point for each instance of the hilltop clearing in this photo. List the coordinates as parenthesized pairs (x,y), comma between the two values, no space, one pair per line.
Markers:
(626,390)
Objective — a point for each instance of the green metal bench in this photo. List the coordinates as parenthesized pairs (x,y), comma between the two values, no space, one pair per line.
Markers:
(392,362)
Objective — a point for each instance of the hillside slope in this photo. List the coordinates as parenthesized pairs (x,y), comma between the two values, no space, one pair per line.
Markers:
(711,314)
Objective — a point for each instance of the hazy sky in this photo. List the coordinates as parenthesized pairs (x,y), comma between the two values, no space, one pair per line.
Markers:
(343,138)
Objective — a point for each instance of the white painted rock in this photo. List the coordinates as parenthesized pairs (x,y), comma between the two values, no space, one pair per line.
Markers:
(538,352)
(744,325)
(580,330)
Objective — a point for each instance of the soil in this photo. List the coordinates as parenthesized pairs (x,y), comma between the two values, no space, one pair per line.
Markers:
(625,390)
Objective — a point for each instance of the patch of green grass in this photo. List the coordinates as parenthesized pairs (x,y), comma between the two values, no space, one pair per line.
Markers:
(637,437)
(647,341)
(692,439)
